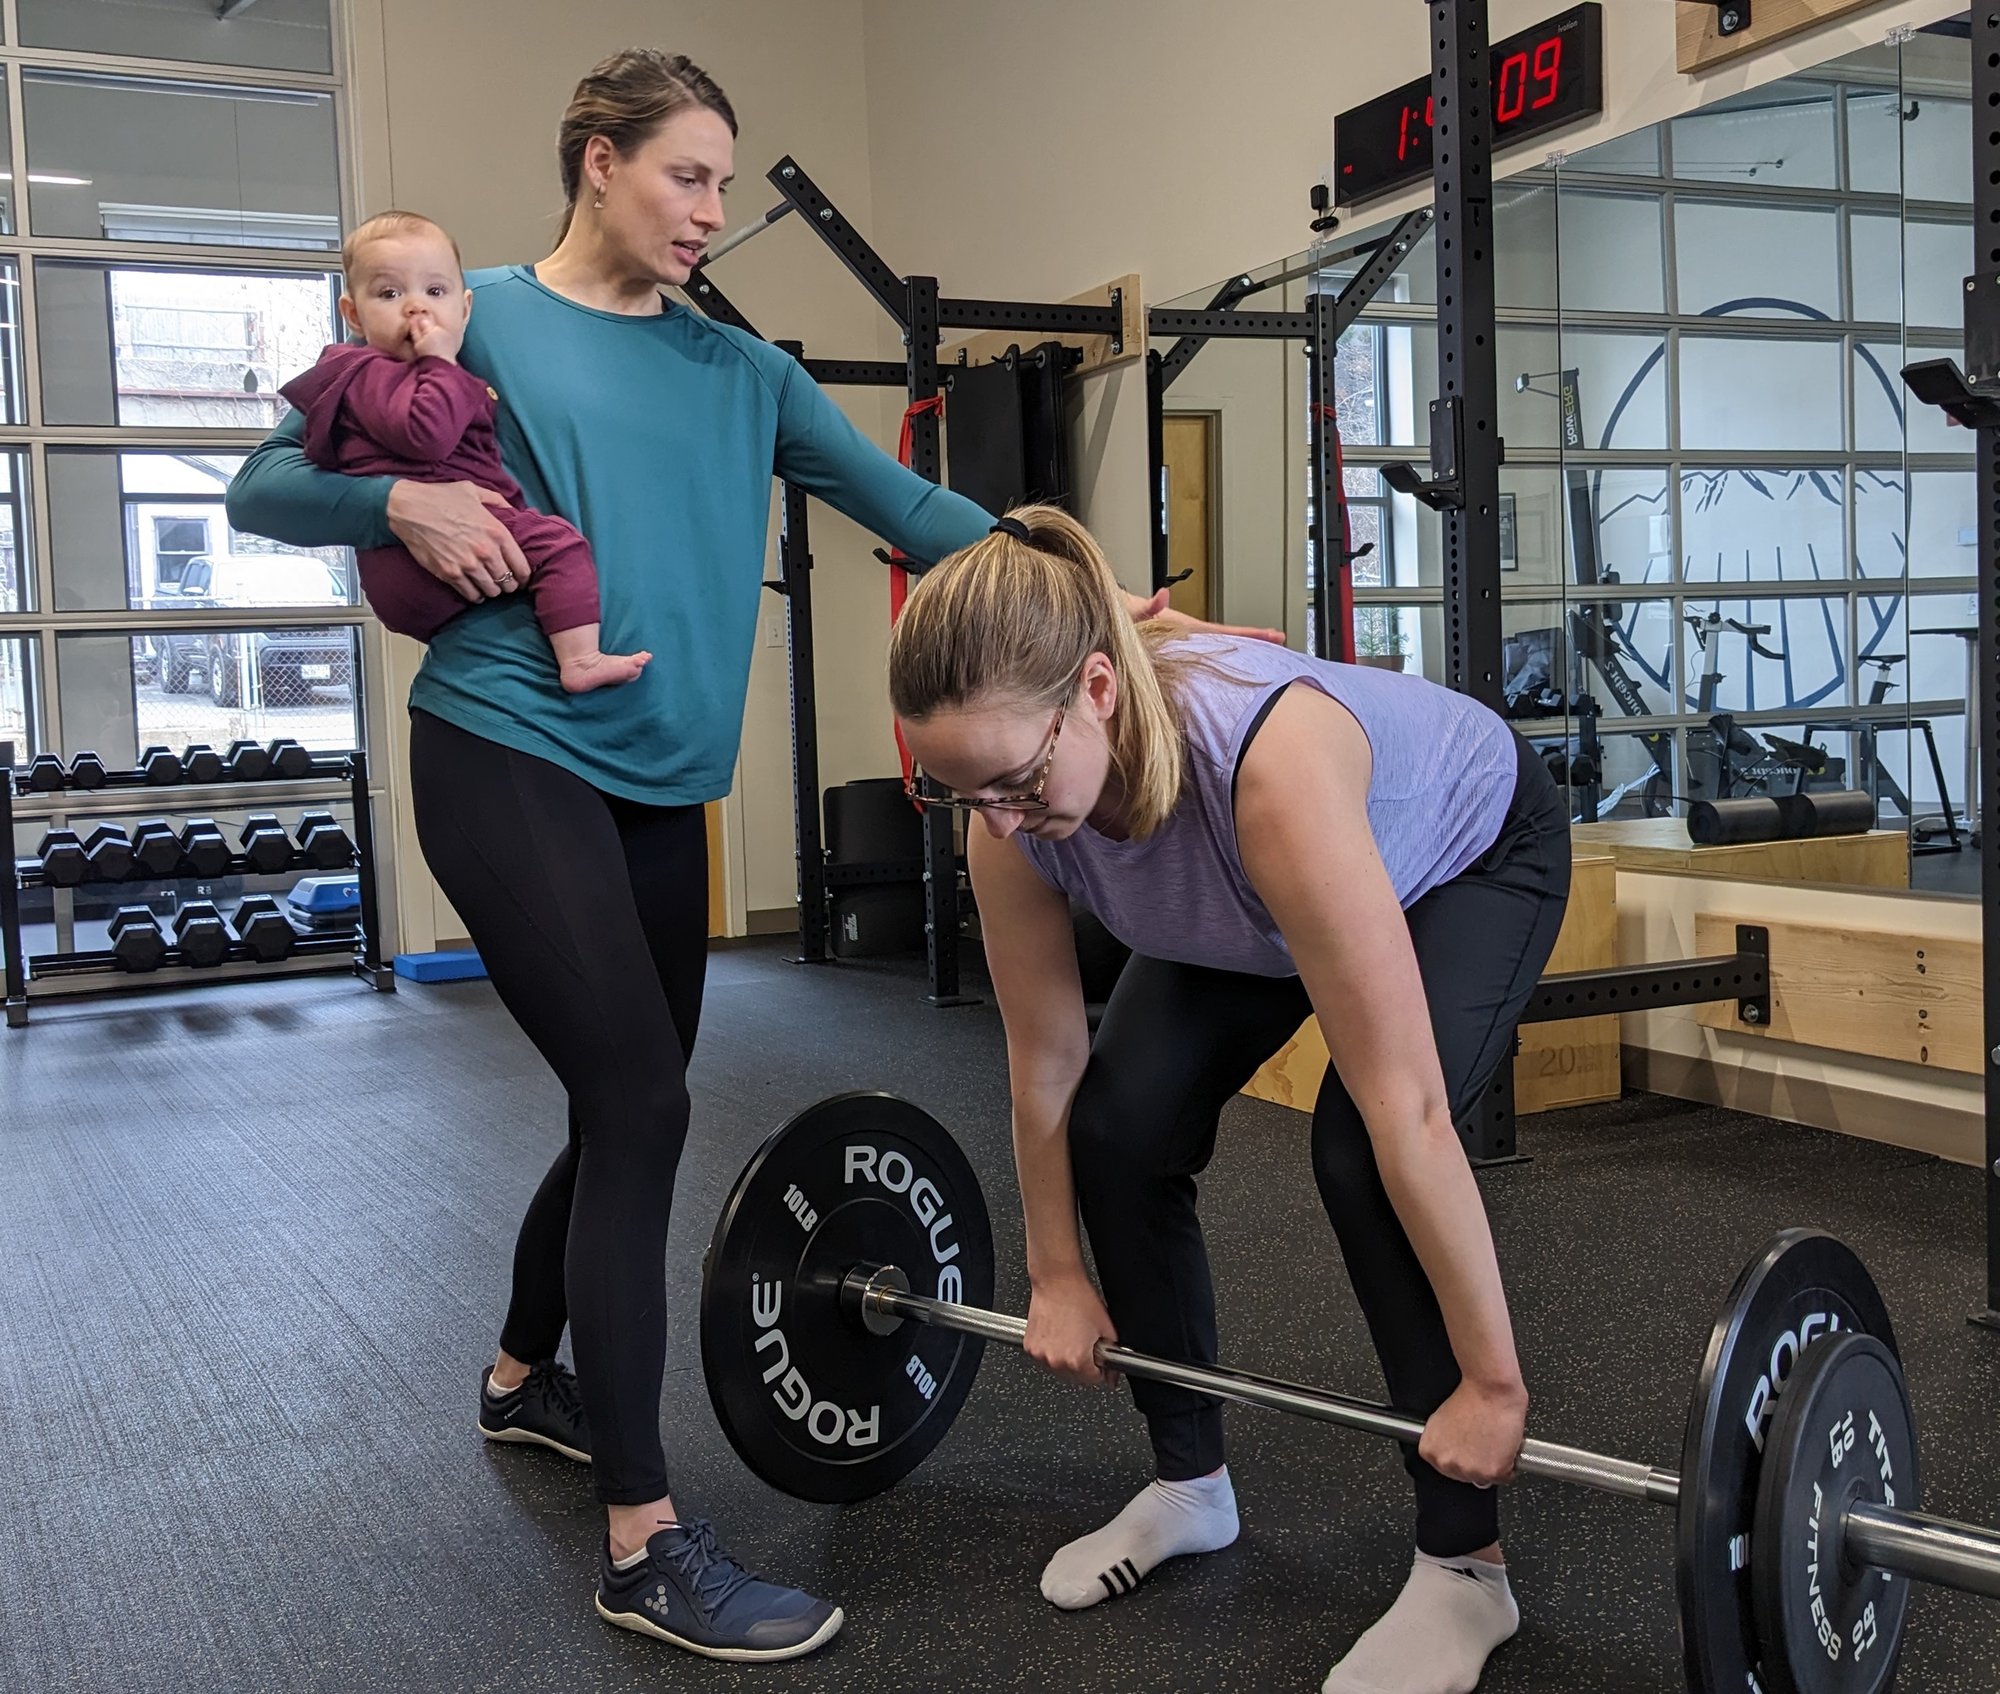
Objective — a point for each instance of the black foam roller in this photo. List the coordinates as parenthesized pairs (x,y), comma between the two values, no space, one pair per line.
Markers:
(1717,823)
(1837,811)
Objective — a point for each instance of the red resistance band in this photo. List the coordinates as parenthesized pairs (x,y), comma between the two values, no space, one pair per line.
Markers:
(1343,584)
(899,578)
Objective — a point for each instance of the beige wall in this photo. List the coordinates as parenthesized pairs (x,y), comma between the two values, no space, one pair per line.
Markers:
(1029,150)
(1166,137)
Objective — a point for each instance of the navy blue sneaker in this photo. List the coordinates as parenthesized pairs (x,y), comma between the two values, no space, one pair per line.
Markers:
(546,1410)
(688,1591)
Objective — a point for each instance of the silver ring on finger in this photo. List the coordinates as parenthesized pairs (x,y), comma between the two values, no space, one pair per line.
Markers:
(507,580)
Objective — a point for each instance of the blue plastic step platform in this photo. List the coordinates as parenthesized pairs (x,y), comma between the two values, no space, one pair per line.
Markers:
(326,902)
(460,966)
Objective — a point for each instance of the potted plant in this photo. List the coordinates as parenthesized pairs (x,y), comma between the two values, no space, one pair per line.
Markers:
(1378,637)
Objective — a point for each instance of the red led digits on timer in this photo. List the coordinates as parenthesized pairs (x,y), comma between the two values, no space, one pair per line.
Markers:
(1414,130)
(1528,81)
(1518,70)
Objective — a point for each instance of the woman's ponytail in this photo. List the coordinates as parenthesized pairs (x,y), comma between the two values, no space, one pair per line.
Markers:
(1016,620)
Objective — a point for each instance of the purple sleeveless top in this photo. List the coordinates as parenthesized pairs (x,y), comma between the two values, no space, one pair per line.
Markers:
(1444,772)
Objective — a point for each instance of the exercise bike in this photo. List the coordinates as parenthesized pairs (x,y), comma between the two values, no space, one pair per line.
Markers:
(1879,782)
(1725,760)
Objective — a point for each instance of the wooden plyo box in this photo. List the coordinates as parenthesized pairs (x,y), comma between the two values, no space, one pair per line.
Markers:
(1559,1064)
(1570,1063)
(1878,859)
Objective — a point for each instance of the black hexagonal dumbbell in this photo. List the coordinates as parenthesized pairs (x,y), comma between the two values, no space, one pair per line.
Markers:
(206,848)
(200,933)
(289,760)
(162,768)
(63,863)
(265,843)
(136,941)
(263,928)
(109,851)
(201,763)
(246,761)
(87,770)
(156,849)
(45,773)
(323,843)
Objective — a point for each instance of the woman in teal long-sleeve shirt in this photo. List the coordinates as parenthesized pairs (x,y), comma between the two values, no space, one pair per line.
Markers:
(566,829)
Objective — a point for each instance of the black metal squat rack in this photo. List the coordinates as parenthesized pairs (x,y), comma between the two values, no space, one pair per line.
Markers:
(922,314)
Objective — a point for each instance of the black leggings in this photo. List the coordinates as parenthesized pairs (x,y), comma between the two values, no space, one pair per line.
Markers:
(590,914)
(1177,1041)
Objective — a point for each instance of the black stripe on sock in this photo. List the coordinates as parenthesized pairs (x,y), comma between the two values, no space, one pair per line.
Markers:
(1111,1590)
(1132,1571)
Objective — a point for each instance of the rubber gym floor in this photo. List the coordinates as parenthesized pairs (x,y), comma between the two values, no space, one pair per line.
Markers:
(254,1247)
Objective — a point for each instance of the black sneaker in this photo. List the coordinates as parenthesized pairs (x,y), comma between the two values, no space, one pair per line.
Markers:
(688,1591)
(546,1410)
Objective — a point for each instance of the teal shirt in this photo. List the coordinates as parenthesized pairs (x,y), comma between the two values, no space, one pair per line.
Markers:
(657,437)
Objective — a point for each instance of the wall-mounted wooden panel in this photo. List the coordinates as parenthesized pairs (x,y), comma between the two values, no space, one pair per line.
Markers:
(1700,43)
(1097,353)
(1907,995)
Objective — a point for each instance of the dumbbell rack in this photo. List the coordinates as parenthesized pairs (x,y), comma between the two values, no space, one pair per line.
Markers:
(356,946)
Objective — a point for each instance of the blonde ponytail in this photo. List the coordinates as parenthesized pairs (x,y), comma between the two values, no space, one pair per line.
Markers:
(1017,619)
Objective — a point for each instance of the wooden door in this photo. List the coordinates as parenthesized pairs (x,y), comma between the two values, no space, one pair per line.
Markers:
(718,905)
(1189,450)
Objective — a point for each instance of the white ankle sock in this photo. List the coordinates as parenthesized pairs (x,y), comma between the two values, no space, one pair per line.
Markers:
(1165,1520)
(495,1392)
(1435,1638)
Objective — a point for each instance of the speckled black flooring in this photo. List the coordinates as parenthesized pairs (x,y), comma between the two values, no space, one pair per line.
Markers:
(254,1246)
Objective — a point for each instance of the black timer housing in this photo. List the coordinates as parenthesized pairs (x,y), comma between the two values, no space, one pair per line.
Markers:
(1540,79)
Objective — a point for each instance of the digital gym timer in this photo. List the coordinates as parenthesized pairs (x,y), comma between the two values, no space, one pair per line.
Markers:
(1541,79)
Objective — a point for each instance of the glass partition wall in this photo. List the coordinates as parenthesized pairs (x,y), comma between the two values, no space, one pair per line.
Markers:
(1736,559)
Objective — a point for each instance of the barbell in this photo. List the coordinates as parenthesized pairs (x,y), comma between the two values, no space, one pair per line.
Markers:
(844,1312)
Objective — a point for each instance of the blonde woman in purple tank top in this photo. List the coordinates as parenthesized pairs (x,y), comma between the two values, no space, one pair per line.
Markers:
(1276,837)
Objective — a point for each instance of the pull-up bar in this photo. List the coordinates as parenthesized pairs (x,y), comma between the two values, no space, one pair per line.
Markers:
(749,232)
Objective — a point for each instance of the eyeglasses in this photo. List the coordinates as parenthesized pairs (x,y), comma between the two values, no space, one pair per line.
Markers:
(922,788)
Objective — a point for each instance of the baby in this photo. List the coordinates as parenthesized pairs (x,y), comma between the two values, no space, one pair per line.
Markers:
(400,405)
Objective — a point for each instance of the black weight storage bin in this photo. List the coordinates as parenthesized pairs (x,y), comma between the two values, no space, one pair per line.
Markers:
(871,822)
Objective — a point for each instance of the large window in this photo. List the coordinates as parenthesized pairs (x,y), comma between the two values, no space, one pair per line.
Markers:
(170,203)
